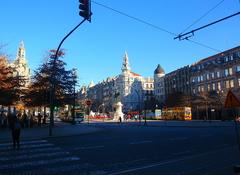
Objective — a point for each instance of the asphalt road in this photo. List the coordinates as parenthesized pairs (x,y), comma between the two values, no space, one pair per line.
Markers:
(129,149)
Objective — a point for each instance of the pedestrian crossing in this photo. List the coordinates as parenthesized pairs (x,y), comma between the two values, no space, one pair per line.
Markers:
(40,157)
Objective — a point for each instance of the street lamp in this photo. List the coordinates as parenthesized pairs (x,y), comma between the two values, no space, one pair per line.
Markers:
(74,75)
(103,111)
(52,78)
(139,102)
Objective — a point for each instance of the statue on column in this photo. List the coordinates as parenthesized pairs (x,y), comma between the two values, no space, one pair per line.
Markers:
(118,114)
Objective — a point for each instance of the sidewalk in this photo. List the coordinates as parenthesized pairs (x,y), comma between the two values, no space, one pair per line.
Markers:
(192,123)
(59,130)
(170,123)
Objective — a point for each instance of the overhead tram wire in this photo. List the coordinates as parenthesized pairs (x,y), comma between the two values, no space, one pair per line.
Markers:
(134,18)
(152,25)
(204,15)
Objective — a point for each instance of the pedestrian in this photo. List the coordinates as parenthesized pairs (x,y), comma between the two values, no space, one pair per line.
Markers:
(39,119)
(25,120)
(120,119)
(16,129)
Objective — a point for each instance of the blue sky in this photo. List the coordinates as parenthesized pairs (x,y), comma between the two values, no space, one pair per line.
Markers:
(96,49)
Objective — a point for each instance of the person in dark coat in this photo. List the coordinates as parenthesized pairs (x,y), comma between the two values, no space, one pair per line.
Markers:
(16,129)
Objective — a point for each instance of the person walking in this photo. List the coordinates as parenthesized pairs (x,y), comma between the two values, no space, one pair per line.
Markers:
(16,129)
(120,119)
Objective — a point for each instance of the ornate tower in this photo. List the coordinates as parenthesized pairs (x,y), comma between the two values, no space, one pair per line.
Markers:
(125,65)
(20,64)
(159,86)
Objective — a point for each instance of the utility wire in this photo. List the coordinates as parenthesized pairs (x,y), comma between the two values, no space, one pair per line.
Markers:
(153,26)
(205,14)
(136,19)
(204,45)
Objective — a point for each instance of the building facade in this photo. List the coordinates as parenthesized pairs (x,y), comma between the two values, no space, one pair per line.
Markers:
(128,87)
(178,81)
(219,73)
(211,79)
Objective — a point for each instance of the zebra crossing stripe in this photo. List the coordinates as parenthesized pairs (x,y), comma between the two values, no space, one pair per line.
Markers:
(30,151)
(28,146)
(28,164)
(23,142)
(84,168)
(31,156)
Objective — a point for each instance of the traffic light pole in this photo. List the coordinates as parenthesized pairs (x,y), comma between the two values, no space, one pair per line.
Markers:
(52,94)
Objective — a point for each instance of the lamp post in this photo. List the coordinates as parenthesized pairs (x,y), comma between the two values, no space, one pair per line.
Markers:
(103,111)
(74,73)
(139,102)
(52,78)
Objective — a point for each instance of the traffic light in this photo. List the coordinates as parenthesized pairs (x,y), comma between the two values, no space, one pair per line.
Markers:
(85,9)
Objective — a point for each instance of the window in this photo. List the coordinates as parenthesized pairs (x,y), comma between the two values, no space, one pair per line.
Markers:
(226,58)
(231,83)
(202,88)
(238,68)
(231,57)
(238,54)
(198,79)
(212,74)
(199,88)
(213,87)
(208,87)
(226,72)
(227,85)
(219,85)
(239,82)
(218,74)
(201,78)
(230,70)
(207,76)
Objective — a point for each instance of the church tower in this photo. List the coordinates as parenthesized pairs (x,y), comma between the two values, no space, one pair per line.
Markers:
(125,65)
(20,64)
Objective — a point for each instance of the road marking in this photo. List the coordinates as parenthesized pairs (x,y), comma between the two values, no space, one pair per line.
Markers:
(31,156)
(167,162)
(178,138)
(14,152)
(83,168)
(23,142)
(37,163)
(140,142)
(28,146)
(89,147)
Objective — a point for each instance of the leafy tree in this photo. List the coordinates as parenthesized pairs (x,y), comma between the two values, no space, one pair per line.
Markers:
(11,85)
(40,89)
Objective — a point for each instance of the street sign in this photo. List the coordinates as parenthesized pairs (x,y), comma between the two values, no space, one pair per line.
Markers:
(231,100)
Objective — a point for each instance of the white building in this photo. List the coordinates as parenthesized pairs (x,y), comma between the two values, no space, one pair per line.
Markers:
(128,87)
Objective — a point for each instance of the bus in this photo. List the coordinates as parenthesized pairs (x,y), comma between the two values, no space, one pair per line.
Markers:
(177,113)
